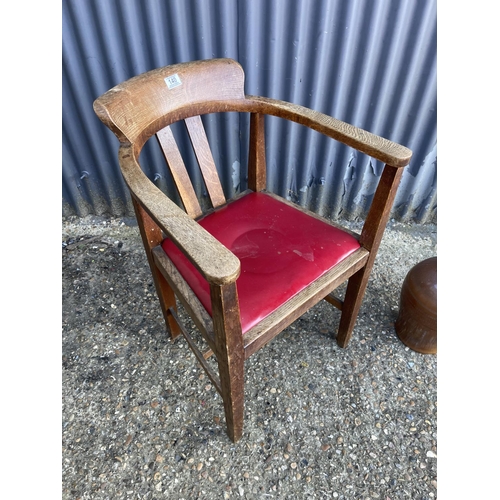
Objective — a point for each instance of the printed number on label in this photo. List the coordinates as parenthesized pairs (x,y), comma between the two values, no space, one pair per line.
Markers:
(173,81)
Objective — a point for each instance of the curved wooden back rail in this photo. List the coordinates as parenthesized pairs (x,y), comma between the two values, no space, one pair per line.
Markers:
(148,104)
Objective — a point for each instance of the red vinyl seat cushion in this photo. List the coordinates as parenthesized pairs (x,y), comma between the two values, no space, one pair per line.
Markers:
(281,249)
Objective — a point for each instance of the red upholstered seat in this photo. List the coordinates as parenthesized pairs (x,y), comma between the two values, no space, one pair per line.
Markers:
(281,250)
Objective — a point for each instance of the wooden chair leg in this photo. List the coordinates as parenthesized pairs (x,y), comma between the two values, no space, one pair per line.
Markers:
(371,236)
(356,287)
(151,237)
(230,355)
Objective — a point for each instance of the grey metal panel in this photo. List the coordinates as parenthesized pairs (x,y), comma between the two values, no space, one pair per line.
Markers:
(368,62)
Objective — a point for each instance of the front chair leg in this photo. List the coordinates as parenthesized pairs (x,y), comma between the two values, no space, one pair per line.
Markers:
(371,236)
(356,287)
(230,355)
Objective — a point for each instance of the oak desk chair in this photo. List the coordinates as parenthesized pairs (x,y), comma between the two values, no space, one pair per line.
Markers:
(249,266)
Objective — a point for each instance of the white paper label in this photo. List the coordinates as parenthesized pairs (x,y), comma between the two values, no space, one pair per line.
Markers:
(173,81)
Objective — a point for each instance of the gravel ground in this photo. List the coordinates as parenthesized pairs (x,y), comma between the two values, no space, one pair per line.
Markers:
(141,420)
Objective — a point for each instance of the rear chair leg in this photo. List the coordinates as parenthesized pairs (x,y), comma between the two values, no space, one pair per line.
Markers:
(151,237)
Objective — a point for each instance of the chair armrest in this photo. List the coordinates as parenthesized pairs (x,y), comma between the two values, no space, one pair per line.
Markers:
(214,261)
(373,145)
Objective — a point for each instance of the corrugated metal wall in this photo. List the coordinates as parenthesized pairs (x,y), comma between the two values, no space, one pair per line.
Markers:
(371,63)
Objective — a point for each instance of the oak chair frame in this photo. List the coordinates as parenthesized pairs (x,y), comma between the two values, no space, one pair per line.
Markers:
(144,106)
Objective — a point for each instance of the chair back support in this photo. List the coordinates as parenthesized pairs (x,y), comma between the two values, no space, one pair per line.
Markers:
(138,108)
(135,110)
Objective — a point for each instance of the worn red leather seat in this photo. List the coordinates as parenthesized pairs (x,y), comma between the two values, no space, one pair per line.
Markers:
(281,250)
